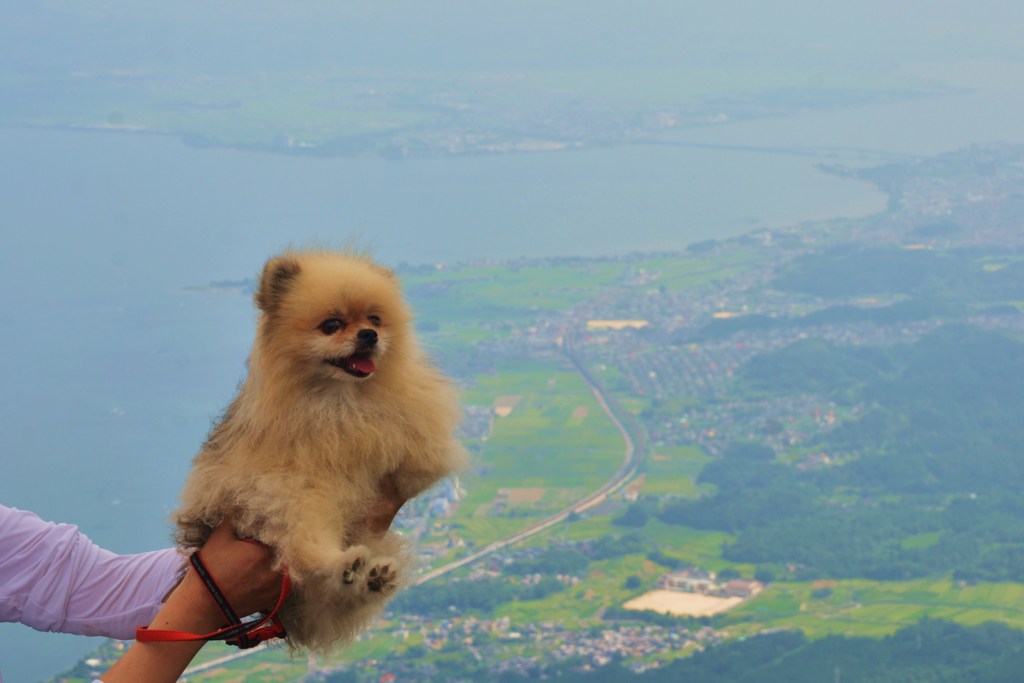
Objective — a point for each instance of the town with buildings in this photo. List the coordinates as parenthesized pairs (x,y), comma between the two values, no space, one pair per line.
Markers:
(665,345)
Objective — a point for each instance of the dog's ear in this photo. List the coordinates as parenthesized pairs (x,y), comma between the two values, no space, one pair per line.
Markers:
(277,277)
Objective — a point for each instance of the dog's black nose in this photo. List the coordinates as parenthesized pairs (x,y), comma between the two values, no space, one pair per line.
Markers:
(367,337)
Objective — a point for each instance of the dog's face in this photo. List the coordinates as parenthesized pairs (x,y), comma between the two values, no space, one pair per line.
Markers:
(330,316)
(355,345)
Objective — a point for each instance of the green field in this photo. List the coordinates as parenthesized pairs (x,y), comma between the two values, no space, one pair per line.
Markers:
(867,608)
(673,471)
(555,445)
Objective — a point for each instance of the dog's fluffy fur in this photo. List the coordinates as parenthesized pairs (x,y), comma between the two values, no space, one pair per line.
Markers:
(337,396)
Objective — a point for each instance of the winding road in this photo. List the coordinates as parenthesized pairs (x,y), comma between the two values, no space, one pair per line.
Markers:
(631,462)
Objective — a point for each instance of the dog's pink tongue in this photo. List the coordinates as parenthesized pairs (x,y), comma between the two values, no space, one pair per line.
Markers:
(363,364)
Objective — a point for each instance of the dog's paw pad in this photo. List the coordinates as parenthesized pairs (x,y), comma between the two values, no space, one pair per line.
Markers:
(381,579)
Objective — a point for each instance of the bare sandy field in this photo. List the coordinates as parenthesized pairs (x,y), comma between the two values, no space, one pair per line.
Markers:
(682,604)
(523,495)
(503,405)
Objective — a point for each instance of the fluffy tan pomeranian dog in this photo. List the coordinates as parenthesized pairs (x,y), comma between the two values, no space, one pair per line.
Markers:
(338,395)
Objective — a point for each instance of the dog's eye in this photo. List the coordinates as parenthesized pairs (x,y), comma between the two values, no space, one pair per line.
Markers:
(374,320)
(331,326)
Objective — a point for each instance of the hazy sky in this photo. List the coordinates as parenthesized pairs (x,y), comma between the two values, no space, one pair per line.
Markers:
(499,34)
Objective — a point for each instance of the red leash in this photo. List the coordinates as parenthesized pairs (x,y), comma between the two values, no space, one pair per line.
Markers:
(242,634)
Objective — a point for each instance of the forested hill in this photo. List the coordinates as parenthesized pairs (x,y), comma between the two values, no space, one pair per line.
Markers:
(936,451)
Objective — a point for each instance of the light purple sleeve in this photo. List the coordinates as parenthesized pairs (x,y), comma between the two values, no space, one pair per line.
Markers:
(53,578)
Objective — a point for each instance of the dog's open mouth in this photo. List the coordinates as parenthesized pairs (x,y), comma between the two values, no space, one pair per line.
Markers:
(357,365)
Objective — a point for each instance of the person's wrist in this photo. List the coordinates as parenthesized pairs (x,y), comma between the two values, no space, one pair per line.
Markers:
(191,608)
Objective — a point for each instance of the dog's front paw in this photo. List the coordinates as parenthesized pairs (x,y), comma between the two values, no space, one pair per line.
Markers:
(382,577)
(354,562)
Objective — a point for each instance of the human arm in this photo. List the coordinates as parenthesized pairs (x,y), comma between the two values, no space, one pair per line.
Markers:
(53,578)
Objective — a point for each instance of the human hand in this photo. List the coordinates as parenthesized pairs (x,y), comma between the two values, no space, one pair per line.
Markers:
(242,569)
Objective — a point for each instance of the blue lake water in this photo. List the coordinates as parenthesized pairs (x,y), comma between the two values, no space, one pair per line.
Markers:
(113,369)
